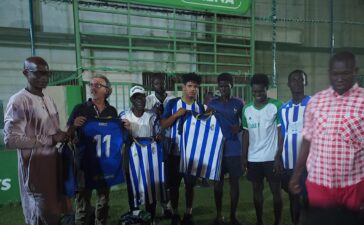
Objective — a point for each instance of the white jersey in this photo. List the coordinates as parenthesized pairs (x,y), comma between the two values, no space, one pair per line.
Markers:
(146,171)
(144,126)
(201,147)
(263,132)
(152,100)
(291,117)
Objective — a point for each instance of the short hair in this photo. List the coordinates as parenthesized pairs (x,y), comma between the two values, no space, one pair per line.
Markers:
(191,77)
(260,78)
(225,77)
(107,82)
(34,59)
(158,76)
(347,57)
(304,76)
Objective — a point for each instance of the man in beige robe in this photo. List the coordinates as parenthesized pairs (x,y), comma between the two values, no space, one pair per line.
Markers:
(32,127)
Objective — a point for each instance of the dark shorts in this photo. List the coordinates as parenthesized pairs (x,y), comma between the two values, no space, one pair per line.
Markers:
(257,171)
(232,165)
(173,175)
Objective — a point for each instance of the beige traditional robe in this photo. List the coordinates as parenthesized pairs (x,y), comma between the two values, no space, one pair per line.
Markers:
(30,122)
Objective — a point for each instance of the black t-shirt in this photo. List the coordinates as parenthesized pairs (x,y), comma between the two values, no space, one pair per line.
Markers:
(89,110)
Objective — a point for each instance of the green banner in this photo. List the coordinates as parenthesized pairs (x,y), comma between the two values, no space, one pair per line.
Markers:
(234,7)
(9,185)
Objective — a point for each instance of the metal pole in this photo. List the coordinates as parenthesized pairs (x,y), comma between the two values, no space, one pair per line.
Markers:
(31,27)
(274,42)
(332,33)
(76,26)
(252,39)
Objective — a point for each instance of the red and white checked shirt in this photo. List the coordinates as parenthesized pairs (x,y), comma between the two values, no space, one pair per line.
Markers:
(334,124)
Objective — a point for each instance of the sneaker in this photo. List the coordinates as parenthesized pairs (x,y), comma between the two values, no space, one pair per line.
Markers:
(175,220)
(68,219)
(187,220)
(167,214)
(205,183)
(235,222)
(219,221)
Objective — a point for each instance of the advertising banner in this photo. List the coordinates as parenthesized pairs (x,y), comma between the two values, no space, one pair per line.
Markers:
(9,186)
(232,7)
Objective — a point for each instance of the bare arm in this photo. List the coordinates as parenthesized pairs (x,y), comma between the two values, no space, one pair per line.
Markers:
(278,157)
(165,123)
(294,184)
(245,148)
(280,143)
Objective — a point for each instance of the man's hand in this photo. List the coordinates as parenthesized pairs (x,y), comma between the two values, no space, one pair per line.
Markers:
(79,121)
(127,124)
(159,137)
(180,112)
(294,184)
(278,166)
(209,110)
(245,164)
(235,129)
(60,136)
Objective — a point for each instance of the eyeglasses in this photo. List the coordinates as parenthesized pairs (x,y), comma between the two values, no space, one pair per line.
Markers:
(97,85)
(39,72)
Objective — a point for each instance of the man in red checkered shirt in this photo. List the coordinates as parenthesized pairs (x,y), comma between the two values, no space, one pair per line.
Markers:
(333,140)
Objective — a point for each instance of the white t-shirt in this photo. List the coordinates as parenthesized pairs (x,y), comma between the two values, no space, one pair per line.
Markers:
(144,126)
(263,133)
(152,100)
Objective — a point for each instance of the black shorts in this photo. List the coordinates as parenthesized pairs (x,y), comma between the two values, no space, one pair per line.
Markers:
(173,174)
(232,165)
(257,171)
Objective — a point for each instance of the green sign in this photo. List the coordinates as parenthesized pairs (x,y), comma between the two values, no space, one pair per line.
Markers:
(9,185)
(235,7)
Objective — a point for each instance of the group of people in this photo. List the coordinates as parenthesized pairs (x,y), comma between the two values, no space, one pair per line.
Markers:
(311,147)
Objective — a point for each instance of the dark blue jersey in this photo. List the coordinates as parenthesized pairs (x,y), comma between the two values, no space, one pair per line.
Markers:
(229,115)
(100,146)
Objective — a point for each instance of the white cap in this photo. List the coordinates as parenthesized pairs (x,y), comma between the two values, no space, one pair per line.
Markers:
(136,90)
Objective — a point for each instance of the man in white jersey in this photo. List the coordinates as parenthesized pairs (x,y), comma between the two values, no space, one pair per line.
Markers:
(140,123)
(260,144)
(175,109)
(158,100)
(291,117)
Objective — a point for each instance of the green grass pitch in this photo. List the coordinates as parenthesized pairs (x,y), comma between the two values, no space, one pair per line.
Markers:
(203,211)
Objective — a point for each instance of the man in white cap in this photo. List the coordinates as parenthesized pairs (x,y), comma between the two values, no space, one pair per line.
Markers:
(140,123)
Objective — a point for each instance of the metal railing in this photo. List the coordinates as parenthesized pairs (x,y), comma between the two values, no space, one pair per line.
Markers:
(130,40)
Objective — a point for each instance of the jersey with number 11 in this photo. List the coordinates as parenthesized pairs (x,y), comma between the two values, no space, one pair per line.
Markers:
(100,146)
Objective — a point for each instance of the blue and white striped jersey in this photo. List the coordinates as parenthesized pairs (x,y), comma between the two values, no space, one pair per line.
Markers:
(201,146)
(100,144)
(172,107)
(291,117)
(146,171)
